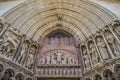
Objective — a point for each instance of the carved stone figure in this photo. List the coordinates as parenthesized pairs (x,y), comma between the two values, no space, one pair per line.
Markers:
(98,77)
(93,53)
(9,42)
(112,43)
(48,60)
(3,44)
(117,73)
(59,60)
(30,59)
(63,60)
(23,53)
(102,48)
(8,75)
(109,76)
(58,57)
(86,58)
(19,77)
(7,47)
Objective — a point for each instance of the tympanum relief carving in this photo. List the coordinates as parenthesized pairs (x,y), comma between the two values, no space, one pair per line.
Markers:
(59,57)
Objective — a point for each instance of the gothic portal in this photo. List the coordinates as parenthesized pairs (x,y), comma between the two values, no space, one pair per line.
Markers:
(59,40)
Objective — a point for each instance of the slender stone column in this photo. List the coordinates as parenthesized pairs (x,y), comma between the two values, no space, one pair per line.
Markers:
(27,54)
(18,49)
(108,47)
(35,56)
(84,69)
(78,53)
(89,54)
(116,37)
(35,60)
(93,38)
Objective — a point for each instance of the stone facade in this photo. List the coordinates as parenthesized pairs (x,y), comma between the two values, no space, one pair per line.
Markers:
(59,40)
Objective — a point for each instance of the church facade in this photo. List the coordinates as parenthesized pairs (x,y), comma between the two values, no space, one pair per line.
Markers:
(59,40)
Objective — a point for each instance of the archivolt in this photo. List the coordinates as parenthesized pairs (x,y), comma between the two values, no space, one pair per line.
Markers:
(35,17)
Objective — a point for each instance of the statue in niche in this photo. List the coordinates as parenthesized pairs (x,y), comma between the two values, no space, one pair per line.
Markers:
(7,47)
(102,48)
(4,43)
(98,77)
(109,76)
(72,61)
(44,60)
(85,58)
(48,60)
(93,53)
(112,43)
(31,54)
(52,59)
(9,42)
(117,73)
(55,58)
(67,60)
(8,75)
(62,59)
(23,52)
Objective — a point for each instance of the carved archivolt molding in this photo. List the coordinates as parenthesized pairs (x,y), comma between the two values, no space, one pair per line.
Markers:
(38,16)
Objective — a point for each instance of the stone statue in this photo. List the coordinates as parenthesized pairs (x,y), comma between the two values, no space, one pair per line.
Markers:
(48,60)
(62,59)
(59,60)
(23,52)
(112,43)
(31,54)
(93,53)
(55,58)
(67,61)
(109,76)
(117,73)
(98,77)
(85,58)
(102,48)
(8,75)
(7,47)
(9,42)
